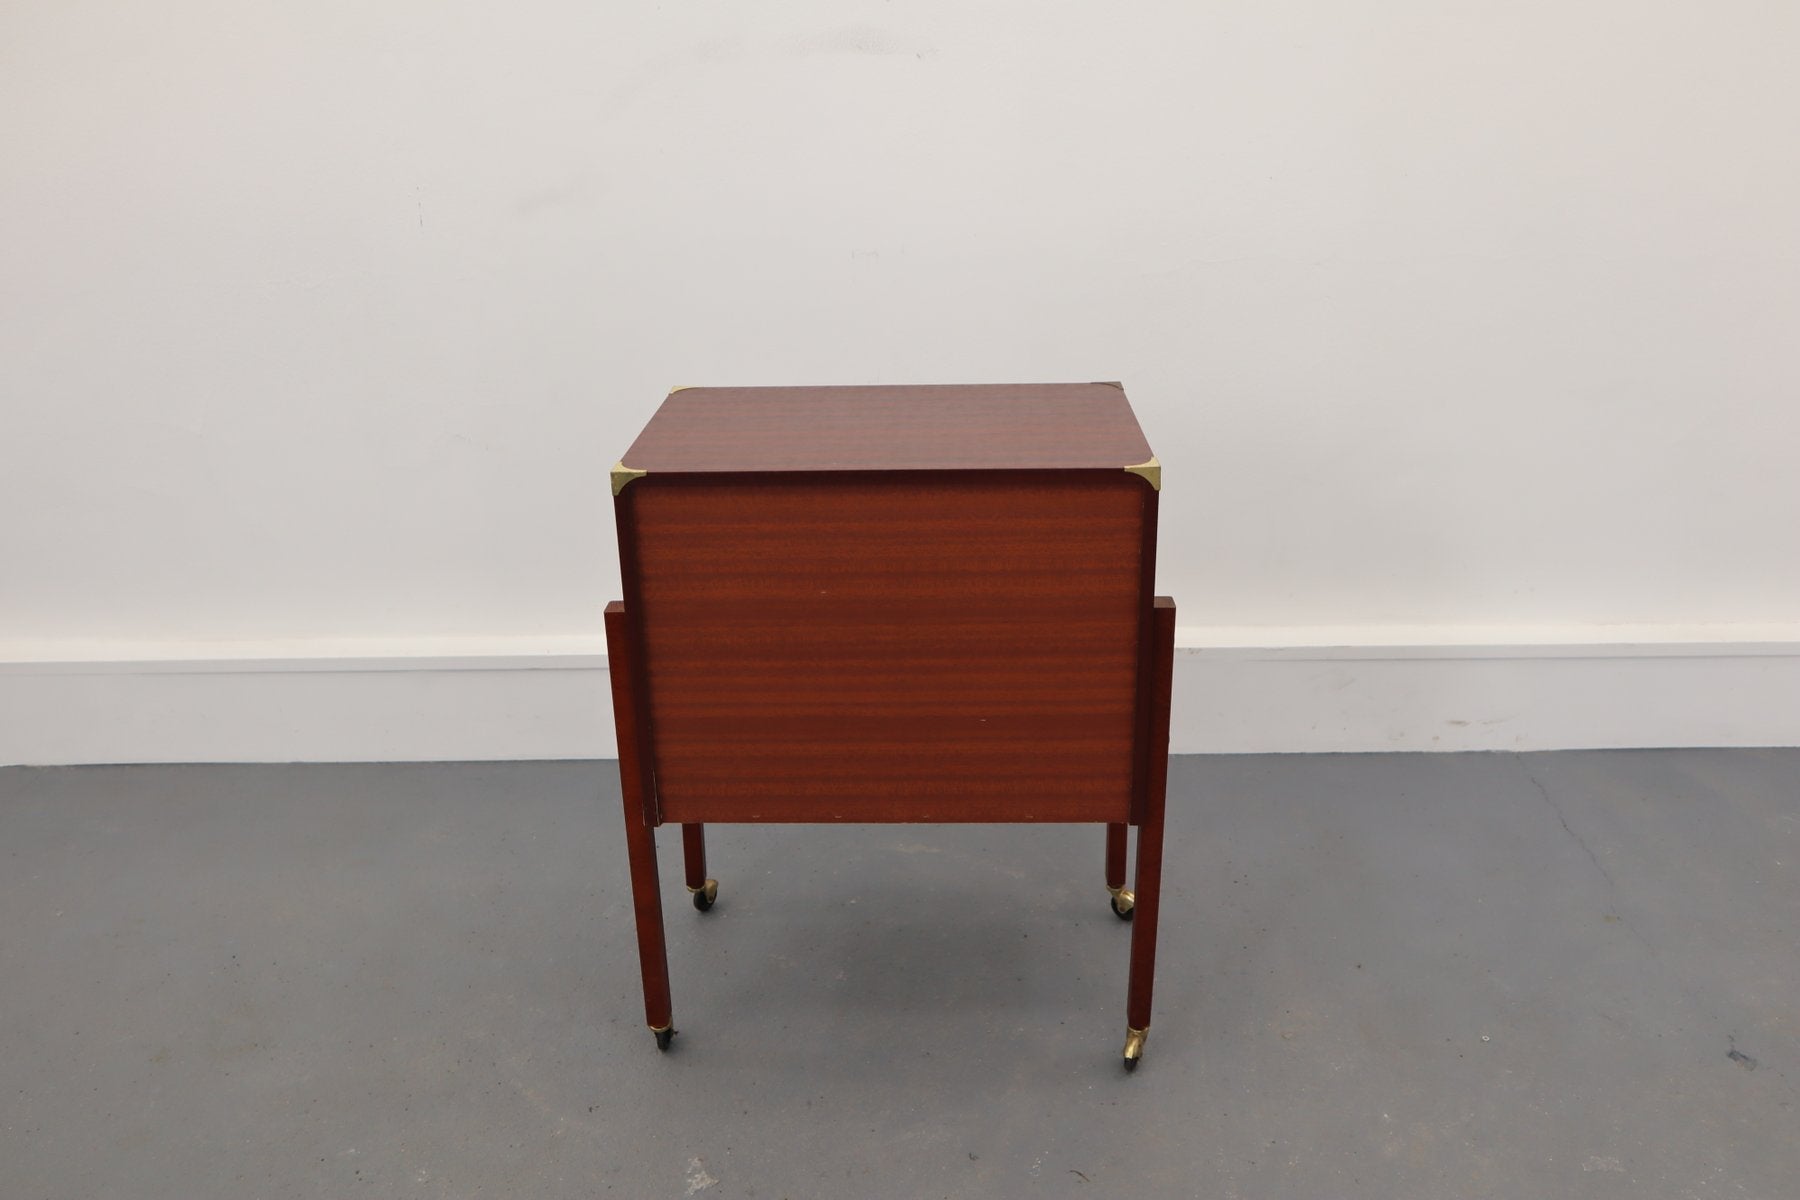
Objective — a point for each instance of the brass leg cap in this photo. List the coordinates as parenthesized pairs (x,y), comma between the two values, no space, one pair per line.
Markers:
(1134,1046)
(1123,899)
(664,1036)
(705,894)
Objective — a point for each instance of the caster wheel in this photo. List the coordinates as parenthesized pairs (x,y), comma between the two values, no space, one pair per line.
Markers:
(1131,1064)
(705,894)
(664,1037)
(1124,903)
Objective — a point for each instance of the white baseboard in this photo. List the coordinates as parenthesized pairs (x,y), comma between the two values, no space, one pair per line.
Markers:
(1237,690)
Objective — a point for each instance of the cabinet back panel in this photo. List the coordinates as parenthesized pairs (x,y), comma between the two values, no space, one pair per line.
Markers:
(856,647)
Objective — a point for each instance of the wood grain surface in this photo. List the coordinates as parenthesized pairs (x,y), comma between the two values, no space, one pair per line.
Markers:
(1148,880)
(635,786)
(952,646)
(1050,426)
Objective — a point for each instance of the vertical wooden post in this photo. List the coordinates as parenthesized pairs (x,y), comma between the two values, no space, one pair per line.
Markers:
(1115,857)
(640,834)
(1150,832)
(693,855)
(693,860)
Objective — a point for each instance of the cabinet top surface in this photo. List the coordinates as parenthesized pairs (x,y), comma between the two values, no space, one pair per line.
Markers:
(1055,426)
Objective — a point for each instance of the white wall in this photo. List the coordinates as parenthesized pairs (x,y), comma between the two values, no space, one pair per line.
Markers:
(324,321)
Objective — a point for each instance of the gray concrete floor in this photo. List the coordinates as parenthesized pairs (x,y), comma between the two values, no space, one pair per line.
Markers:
(1381,976)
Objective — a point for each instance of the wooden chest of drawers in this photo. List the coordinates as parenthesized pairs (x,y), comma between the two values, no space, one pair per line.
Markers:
(891,604)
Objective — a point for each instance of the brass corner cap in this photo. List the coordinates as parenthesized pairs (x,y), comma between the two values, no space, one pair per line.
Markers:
(680,387)
(622,475)
(1150,470)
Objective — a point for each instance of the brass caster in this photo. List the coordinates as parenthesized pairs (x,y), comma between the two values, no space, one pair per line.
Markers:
(664,1036)
(705,894)
(1134,1046)
(1123,900)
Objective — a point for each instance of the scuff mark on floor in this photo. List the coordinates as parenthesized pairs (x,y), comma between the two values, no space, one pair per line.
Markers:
(698,1178)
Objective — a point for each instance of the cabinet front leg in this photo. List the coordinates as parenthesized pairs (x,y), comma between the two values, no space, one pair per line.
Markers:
(646,903)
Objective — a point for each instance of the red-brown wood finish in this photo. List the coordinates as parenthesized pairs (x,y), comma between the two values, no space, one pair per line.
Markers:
(1146,653)
(1053,426)
(640,836)
(954,646)
(891,604)
(1115,856)
(1148,887)
(693,855)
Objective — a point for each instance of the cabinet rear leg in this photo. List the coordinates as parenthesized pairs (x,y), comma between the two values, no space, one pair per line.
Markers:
(1150,841)
(693,855)
(1122,897)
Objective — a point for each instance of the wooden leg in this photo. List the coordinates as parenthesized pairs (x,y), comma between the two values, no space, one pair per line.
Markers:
(640,828)
(646,902)
(693,855)
(1123,898)
(1143,934)
(1150,844)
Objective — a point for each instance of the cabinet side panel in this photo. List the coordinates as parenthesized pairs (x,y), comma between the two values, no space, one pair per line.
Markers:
(862,649)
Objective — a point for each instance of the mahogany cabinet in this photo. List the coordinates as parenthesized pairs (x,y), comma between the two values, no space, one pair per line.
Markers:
(894,604)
